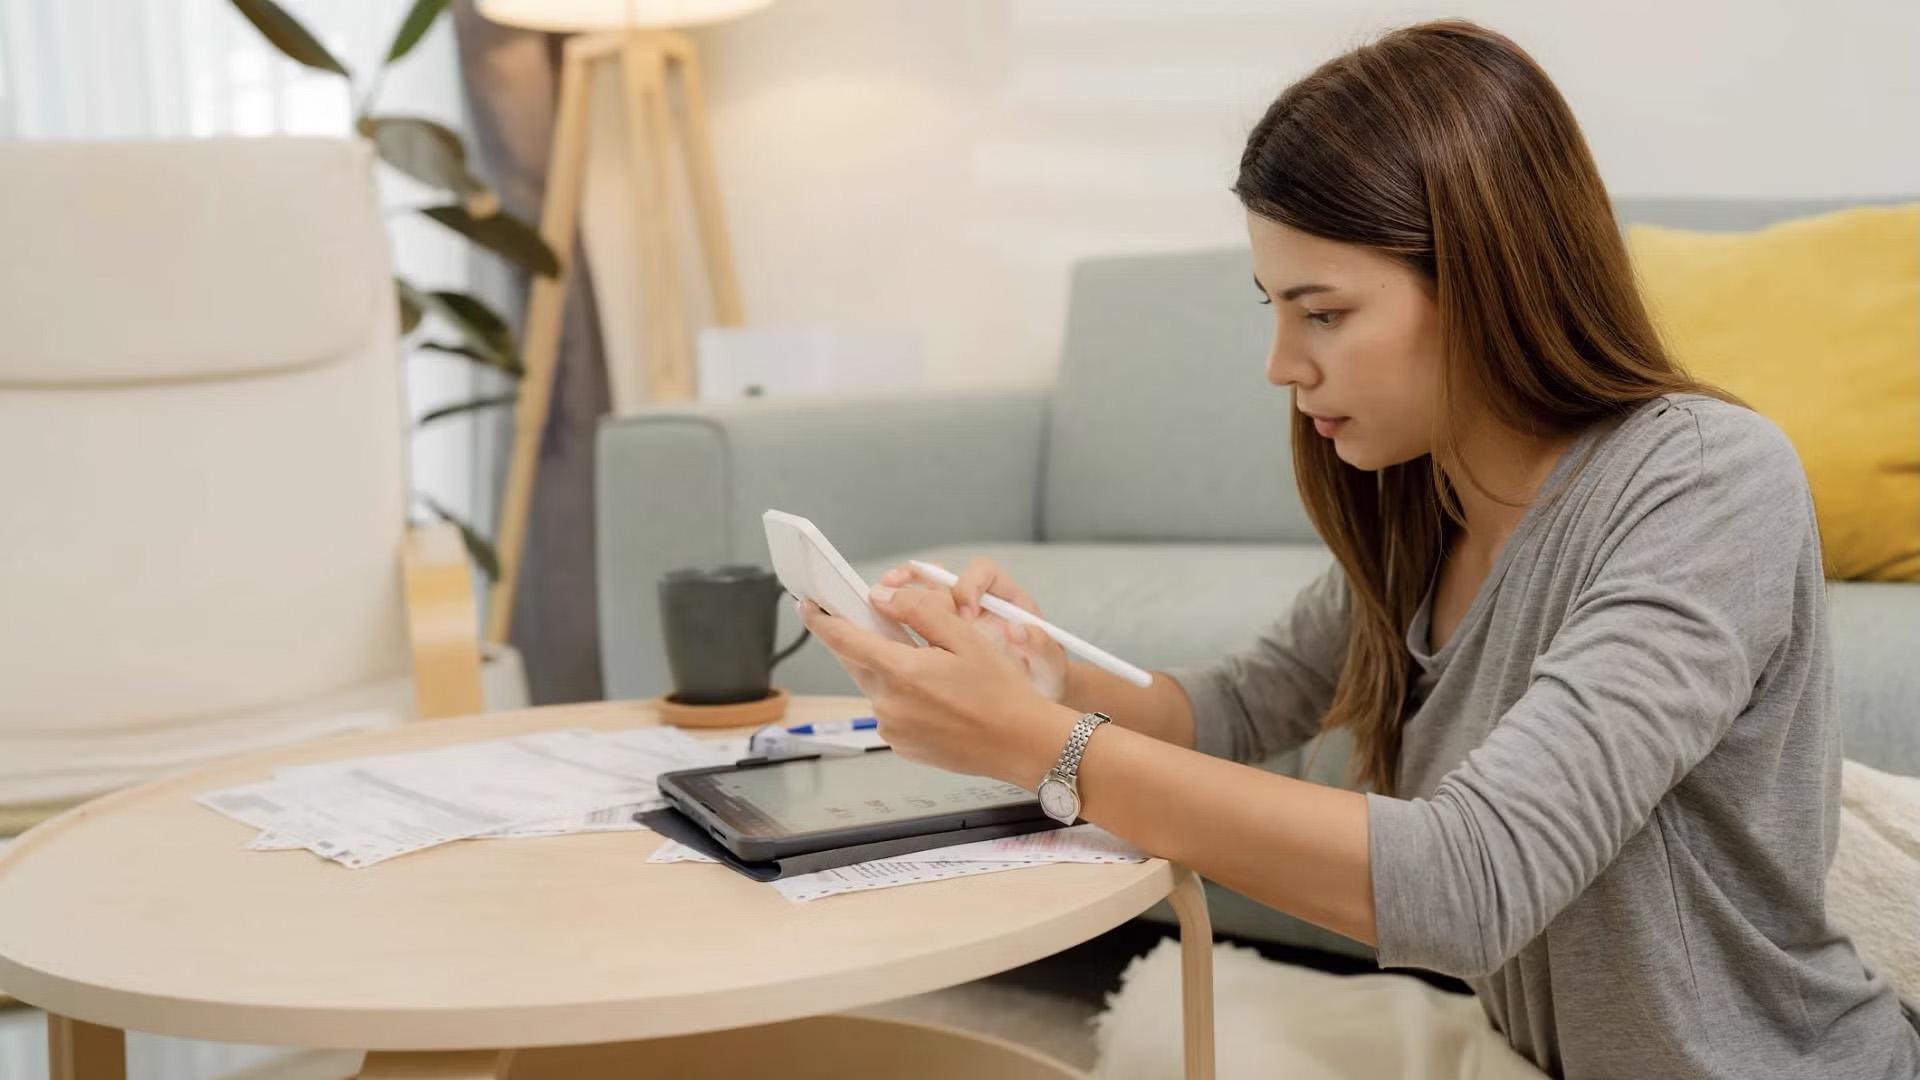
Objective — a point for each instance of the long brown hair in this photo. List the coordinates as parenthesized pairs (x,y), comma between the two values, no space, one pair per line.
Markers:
(1446,146)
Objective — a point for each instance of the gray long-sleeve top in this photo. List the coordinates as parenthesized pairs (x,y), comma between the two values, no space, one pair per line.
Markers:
(1618,787)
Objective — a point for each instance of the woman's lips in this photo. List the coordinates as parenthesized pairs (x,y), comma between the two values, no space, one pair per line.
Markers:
(1327,427)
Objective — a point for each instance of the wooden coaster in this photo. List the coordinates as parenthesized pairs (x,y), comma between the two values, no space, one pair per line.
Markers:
(740,714)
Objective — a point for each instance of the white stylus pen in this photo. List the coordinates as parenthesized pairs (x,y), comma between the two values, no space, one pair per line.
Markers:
(1091,653)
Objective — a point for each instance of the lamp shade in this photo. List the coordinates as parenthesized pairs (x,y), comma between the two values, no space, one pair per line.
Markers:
(578,16)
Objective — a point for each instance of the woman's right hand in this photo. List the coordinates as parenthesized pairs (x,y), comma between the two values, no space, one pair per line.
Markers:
(1044,661)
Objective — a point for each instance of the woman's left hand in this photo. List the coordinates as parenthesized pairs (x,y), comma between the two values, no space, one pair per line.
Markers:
(960,704)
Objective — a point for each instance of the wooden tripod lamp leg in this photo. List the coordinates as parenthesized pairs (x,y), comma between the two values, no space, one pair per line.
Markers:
(647,60)
(704,185)
(669,363)
(1189,900)
(546,303)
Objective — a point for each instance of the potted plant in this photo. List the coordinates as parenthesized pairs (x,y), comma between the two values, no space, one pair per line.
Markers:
(434,155)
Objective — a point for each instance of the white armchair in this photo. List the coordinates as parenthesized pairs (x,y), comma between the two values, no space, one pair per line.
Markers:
(204,545)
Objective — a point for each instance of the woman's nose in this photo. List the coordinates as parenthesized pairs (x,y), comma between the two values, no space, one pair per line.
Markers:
(1286,366)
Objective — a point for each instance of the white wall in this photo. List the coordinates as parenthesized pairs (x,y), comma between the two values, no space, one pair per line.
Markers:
(938,163)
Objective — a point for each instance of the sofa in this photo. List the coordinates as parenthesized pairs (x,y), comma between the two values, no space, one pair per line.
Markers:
(1146,499)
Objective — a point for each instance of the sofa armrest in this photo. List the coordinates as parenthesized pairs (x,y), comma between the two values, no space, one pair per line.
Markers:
(686,485)
(443,626)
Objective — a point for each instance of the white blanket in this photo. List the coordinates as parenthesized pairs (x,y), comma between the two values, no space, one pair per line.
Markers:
(1873,887)
(1279,1020)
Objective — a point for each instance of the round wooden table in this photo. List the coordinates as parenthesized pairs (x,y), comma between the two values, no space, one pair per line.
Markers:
(143,910)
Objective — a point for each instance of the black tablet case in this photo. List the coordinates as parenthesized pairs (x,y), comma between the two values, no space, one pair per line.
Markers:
(675,825)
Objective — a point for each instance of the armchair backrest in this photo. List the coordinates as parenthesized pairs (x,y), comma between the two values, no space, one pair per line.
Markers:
(201,431)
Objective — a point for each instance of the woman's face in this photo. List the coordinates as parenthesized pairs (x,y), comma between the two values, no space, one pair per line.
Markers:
(1356,334)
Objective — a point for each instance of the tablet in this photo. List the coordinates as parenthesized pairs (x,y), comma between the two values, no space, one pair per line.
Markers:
(765,810)
(809,568)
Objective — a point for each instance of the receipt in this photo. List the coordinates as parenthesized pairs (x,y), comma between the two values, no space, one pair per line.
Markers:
(675,851)
(367,810)
(363,811)
(611,819)
(257,805)
(882,874)
(858,877)
(1086,843)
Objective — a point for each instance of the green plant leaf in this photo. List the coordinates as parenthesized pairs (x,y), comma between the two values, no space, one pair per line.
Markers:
(476,355)
(478,547)
(460,408)
(414,27)
(488,339)
(286,34)
(413,305)
(502,234)
(481,326)
(427,151)
(504,365)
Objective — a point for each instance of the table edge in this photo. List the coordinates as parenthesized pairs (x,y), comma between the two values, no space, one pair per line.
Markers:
(556,1024)
(576,1023)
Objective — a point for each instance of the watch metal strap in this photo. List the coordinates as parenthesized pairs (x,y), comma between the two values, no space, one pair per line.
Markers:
(1069,765)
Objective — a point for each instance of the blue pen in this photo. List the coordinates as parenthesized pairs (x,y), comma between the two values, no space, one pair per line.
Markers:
(835,727)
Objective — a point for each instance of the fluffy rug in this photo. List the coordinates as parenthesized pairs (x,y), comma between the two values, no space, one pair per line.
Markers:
(1273,1019)
(1873,887)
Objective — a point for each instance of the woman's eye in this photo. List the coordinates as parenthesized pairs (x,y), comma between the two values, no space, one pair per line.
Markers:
(1323,318)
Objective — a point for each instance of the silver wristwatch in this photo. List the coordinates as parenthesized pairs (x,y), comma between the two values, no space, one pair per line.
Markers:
(1059,790)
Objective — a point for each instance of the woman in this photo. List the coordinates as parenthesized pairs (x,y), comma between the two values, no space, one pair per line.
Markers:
(1574,622)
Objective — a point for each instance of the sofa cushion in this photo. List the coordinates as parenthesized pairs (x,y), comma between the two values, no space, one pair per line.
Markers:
(1164,426)
(1874,627)
(1730,307)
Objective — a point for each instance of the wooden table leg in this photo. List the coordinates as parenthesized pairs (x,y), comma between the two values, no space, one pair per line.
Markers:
(436,1065)
(1189,900)
(77,1050)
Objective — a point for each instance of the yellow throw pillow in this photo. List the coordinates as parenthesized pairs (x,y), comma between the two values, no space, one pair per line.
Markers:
(1815,323)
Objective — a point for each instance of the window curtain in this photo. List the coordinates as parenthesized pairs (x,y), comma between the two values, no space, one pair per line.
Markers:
(511,82)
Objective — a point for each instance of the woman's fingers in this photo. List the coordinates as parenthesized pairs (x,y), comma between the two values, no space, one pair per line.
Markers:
(974,580)
(1033,646)
(1040,657)
(983,576)
(852,645)
(869,682)
(931,614)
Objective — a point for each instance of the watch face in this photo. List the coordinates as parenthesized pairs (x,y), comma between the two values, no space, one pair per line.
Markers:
(1058,800)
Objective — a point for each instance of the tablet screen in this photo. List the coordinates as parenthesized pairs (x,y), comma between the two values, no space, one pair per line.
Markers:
(843,792)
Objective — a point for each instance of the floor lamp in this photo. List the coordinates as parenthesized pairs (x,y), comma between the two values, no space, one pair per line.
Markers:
(639,37)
